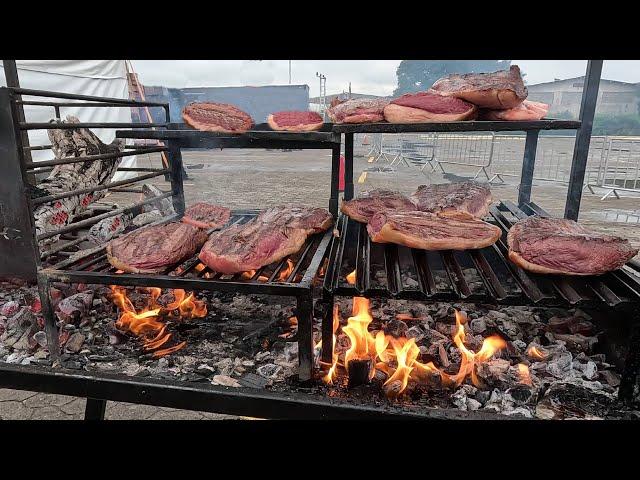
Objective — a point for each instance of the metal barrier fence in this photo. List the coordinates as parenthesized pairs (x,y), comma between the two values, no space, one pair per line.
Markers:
(613,163)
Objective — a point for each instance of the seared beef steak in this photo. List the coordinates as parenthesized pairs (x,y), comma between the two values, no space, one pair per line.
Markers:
(429,231)
(468,197)
(216,117)
(206,215)
(152,249)
(361,110)
(561,246)
(369,203)
(424,107)
(496,90)
(527,110)
(267,238)
(295,121)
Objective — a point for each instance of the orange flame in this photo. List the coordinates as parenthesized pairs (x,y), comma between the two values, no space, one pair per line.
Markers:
(406,352)
(263,279)
(351,278)
(200,267)
(525,376)
(469,359)
(285,272)
(362,342)
(330,376)
(537,353)
(323,268)
(187,305)
(248,275)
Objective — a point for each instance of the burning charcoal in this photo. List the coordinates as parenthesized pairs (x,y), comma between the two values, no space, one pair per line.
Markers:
(16,357)
(589,370)
(444,312)
(577,342)
(396,328)
(560,365)
(442,355)
(582,327)
(225,366)
(291,352)
(574,400)
(461,396)
(478,325)
(392,389)
(269,370)
(10,308)
(380,376)
(611,378)
(225,381)
(445,329)
(494,371)
(41,338)
(72,308)
(560,324)
(359,371)
(262,356)
(415,332)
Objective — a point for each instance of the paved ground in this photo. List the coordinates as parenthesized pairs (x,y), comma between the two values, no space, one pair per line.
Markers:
(256,178)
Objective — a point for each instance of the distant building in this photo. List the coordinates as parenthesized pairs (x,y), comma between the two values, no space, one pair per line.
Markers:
(614,98)
(258,102)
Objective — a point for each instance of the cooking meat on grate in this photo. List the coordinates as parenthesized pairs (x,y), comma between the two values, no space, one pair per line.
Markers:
(206,215)
(154,248)
(267,238)
(429,231)
(561,246)
(425,107)
(295,121)
(216,117)
(496,90)
(468,197)
(371,202)
(358,110)
(527,110)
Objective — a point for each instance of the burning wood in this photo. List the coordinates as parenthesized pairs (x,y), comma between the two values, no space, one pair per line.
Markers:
(147,324)
(525,376)
(351,278)
(285,272)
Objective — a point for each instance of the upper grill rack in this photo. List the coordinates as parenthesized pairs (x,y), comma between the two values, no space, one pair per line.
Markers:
(483,275)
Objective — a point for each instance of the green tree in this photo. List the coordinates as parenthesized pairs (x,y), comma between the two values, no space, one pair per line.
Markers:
(419,75)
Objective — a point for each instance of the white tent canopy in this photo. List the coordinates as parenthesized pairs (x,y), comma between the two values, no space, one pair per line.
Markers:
(102,78)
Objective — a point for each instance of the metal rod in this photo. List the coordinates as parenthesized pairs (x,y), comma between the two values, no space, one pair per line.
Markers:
(528,166)
(96,219)
(56,126)
(305,336)
(90,158)
(73,96)
(74,104)
(59,248)
(348,166)
(583,138)
(335,172)
(174,157)
(94,409)
(51,198)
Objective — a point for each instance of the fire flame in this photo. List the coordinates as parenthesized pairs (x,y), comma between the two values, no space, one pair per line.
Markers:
(525,376)
(362,342)
(248,275)
(469,359)
(406,356)
(537,353)
(351,278)
(147,324)
(200,267)
(330,376)
(285,272)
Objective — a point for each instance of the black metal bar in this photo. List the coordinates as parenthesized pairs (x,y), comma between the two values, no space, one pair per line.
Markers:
(50,327)
(56,126)
(97,188)
(37,147)
(348,166)
(335,169)
(90,158)
(467,126)
(75,104)
(488,276)
(392,268)
(72,96)
(145,169)
(96,219)
(363,259)
(174,157)
(305,336)
(628,391)
(528,166)
(298,264)
(454,272)
(316,260)
(423,271)
(583,139)
(94,409)
(63,246)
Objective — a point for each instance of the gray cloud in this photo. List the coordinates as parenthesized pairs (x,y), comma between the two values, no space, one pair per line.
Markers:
(377,77)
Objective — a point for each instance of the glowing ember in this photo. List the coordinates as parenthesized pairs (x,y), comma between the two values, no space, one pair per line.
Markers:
(200,267)
(147,324)
(469,359)
(119,271)
(330,376)
(285,272)
(248,275)
(537,353)
(263,279)
(323,268)
(525,376)
(351,278)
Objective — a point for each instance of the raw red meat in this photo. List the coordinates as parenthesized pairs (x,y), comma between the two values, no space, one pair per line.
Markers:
(369,203)
(295,121)
(360,110)
(497,90)
(423,107)
(206,215)
(467,197)
(562,246)
(216,117)
(527,110)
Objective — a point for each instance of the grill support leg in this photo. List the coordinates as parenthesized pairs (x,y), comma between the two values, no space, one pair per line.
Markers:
(94,410)
(305,337)
(629,390)
(348,166)
(50,326)
(528,165)
(327,328)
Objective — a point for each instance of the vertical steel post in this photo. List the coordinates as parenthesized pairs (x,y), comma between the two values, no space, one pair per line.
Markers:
(50,327)
(583,138)
(177,186)
(94,409)
(335,174)
(327,327)
(348,166)
(528,165)
(305,336)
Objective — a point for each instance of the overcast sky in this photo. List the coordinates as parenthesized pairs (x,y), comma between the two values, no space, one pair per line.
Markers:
(366,76)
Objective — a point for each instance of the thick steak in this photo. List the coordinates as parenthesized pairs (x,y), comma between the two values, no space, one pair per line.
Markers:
(468,197)
(206,215)
(425,107)
(428,231)
(152,249)
(371,202)
(527,110)
(561,246)
(267,238)
(496,90)
(358,110)
(295,121)
(216,117)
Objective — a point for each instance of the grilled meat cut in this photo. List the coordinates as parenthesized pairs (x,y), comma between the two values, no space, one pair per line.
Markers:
(429,231)
(206,215)
(358,110)
(527,110)
(295,121)
(267,238)
(468,197)
(216,117)
(424,107)
(371,202)
(561,246)
(497,90)
(154,248)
